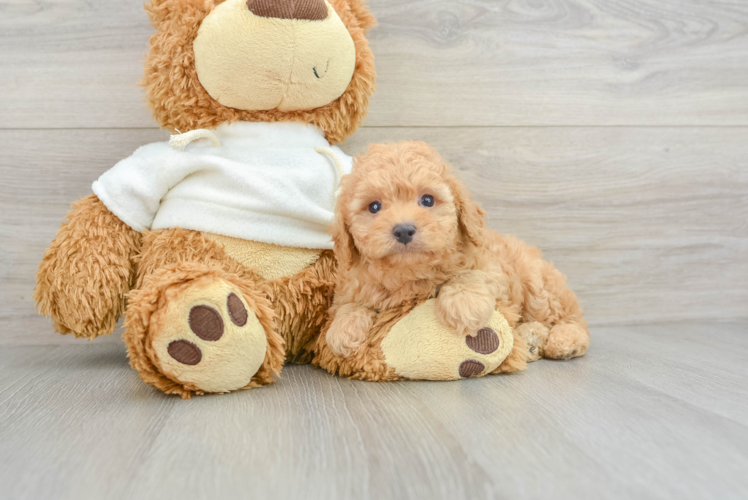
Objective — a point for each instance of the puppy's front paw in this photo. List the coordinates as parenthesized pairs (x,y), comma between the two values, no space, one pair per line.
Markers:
(348,330)
(466,307)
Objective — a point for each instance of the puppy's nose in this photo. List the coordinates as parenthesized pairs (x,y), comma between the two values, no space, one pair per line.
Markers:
(404,233)
(311,10)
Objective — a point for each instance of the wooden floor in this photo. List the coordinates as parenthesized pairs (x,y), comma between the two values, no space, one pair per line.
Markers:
(613,134)
(652,412)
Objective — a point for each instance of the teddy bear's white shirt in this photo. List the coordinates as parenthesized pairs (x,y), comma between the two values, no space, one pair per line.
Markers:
(265,183)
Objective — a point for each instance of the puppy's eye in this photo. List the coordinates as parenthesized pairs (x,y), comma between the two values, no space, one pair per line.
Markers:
(427,200)
(375,207)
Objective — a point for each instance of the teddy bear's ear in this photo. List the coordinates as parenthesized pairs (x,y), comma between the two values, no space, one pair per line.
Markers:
(162,10)
(364,16)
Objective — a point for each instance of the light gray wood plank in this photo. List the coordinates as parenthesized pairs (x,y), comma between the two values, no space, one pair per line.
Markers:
(695,363)
(76,422)
(75,63)
(47,171)
(648,224)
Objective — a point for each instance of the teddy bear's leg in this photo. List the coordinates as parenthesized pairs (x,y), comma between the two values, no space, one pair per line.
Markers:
(194,328)
(412,343)
(301,303)
(200,324)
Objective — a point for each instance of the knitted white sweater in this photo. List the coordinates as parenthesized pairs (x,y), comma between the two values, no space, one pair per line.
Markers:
(266,183)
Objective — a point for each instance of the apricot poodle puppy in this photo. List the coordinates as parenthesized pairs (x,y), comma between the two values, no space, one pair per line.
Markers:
(406,229)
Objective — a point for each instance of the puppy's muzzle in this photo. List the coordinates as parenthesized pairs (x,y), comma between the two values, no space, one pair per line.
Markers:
(404,233)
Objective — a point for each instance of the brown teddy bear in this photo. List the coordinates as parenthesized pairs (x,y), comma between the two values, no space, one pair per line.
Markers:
(222,234)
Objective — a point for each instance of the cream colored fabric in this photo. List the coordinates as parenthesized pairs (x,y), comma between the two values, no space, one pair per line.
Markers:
(227,364)
(250,62)
(270,261)
(421,347)
(266,182)
(181,141)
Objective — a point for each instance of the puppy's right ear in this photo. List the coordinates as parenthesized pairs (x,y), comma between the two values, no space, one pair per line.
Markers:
(470,216)
(344,247)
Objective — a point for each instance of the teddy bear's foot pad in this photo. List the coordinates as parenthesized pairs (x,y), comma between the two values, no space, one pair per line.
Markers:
(185,352)
(471,368)
(206,323)
(486,341)
(421,347)
(208,338)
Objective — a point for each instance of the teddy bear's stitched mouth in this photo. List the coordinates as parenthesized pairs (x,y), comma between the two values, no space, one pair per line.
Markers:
(327,67)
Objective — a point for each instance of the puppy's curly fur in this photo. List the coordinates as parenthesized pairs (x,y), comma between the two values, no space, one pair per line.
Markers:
(452,256)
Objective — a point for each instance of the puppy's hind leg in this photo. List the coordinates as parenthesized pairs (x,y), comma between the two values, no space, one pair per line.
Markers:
(535,335)
(566,341)
(568,335)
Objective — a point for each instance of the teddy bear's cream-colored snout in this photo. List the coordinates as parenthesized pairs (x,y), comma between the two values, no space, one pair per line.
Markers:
(262,55)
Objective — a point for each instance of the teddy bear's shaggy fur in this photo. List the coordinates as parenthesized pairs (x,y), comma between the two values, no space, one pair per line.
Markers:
(471,270)
(85,279)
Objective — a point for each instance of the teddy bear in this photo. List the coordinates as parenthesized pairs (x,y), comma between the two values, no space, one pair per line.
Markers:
(215,245)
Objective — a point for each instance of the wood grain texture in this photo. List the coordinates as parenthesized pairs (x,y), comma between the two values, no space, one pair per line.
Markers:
(650,225)
(652,412)
(74,63)
(648,219)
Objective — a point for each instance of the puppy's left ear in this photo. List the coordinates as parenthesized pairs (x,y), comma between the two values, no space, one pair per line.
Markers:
(344,247)
(470,216)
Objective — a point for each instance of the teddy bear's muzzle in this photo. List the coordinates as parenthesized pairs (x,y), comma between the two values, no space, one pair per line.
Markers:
(311,10)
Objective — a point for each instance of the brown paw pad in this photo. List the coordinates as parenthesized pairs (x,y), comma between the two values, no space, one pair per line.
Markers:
(471,368)
(206,323)
(185,352)
(485,342)
(237,311)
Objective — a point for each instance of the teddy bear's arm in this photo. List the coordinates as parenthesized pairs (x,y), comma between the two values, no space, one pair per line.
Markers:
(87,270)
